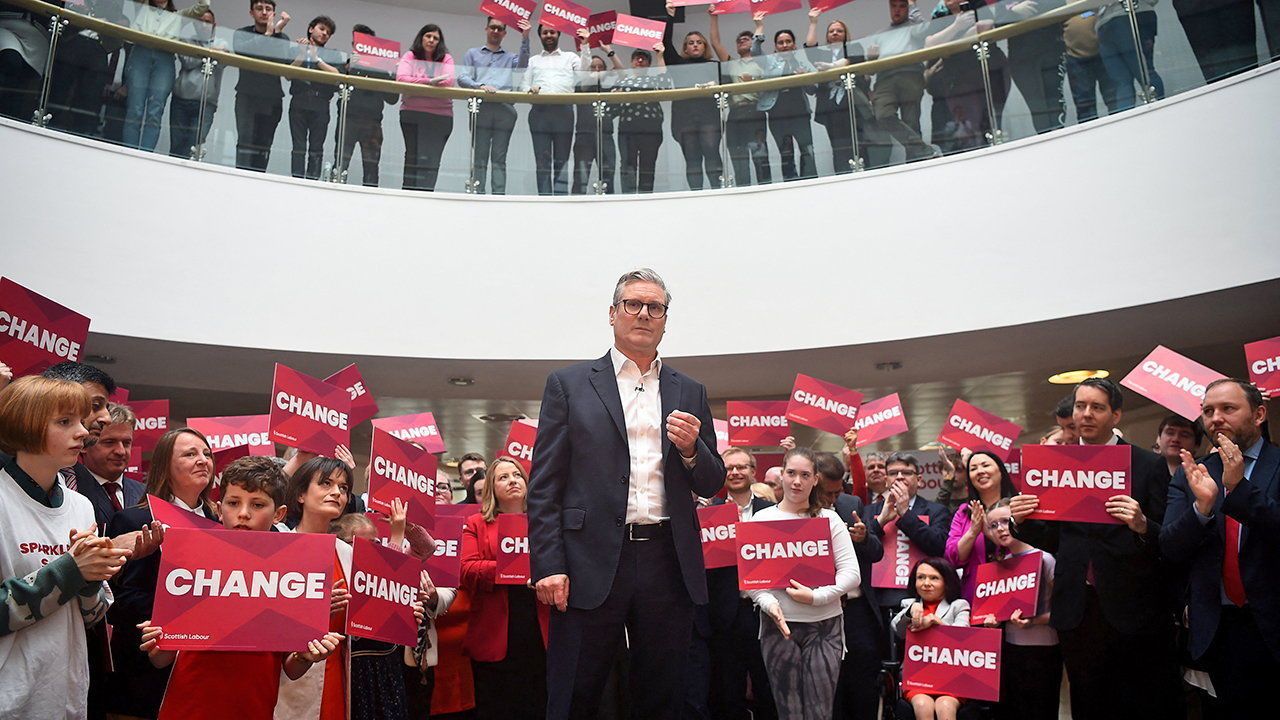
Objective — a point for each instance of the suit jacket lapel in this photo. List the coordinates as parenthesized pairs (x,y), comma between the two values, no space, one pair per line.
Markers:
(606,385)
(669,388)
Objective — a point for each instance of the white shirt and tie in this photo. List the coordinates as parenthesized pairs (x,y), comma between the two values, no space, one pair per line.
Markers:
(642,409)
(116,494)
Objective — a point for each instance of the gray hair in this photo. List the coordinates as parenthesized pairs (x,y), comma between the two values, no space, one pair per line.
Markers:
(640,275)
(121,414)
(903,457)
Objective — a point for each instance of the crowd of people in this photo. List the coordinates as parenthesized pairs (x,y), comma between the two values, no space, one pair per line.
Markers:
(103,88)
(1172,606)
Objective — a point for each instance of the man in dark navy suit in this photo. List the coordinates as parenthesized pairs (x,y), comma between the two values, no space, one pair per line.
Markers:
(1223,523)
(624,443)
(100,474)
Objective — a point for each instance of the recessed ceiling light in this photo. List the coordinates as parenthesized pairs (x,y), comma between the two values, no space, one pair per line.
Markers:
(100,359)
(462,381)
(1074,377)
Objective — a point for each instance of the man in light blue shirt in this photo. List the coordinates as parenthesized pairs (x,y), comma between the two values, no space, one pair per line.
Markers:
(490,68)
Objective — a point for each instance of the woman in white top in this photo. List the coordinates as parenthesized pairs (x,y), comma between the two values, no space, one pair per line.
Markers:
(804,643)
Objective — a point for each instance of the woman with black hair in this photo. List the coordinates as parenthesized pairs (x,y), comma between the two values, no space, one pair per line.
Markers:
(989,482)
(426,122)
(934,600)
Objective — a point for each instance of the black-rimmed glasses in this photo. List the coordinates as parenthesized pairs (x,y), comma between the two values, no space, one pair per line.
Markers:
(633,307)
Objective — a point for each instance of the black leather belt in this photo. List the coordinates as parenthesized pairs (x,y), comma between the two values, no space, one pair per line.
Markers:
(637,532)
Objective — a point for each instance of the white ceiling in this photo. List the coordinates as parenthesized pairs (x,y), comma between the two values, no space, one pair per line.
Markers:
(1003,370)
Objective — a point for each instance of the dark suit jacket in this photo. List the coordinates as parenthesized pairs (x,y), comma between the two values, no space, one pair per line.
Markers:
(581,475)
(722,583)
(930,537)
(87,485)
(137,687)
(869,551)
(1255,503)
(1129,580)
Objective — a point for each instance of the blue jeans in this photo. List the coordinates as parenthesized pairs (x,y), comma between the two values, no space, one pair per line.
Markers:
(1115,47)
(184,115)
(149,75)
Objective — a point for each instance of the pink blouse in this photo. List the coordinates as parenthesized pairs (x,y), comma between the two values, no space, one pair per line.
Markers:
(412,70)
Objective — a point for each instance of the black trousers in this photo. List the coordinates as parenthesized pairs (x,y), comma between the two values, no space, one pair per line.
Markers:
(308,125)
(256,120)
(515,687)
(1030,682)
(584,154)
(552,129)
(494,124)
(649,600)
(425,135)
(367,132)
(1241,665)
(857,692)
(746,134)
(1119,675)
(639,151)
(80,72)
(788,123)
(735,658)
(1222,38)
(418,687)
(700,145)
(1037,63)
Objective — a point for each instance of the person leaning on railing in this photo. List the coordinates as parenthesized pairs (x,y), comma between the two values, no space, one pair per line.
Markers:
(695,122)
(596,78)
(746,129)
(1037,61)
(81,70)
(490,68)
(640,124)
(426,122)
(259,96)
(788,109)
(899,90)
(149,73)
(959,77)
(309,101)
(364,119)
(186,131)
(832,99)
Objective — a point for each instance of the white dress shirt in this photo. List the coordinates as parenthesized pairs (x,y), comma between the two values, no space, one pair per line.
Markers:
(119,493)
(642,409)
(553,72)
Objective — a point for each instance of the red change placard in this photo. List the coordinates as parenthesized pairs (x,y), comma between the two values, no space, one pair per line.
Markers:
(757,423)
(36,332)
(772,553)
(727,7)
(959,661)
(509,12)
(308,413)
(825,5)
(221,459)
(445,565)
(120,396)
(519,443)
(363,404)
(1004,586)
(722,434)
(823,405)
(971,427)
(1263,358)
(879,419)
(773,7)
(384,584)
(151,423)
(243,590)
(636,32)
(513,549)
(719,537)
(1172,381)
(564,15)
(600,26)
(419,427)
(1073,482)
(400,470)
(232,430)
(172,516)
(375,53)
(900,555)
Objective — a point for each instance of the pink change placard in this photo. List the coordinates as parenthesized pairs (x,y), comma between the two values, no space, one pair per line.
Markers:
(1073,482)
(513,549)
(519,443)
(879,419)
(719,537)
(1171,380)
(232,430)
(772,553)
(152,422)
(1263,358)
(363,404)
(36,332)
(400,470)
(823,405)
(1004,586)
(383,587)
(757,423)
(510,12)
(969,426)
(308,413)
(564,15)
(419,427)
(375,53)
(636,32)
(948,660)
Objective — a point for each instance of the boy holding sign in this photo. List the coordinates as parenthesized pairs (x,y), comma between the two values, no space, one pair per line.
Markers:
(253,490)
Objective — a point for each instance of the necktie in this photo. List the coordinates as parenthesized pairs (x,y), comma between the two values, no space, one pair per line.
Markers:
(1231,580)
(112,488)
(68,478)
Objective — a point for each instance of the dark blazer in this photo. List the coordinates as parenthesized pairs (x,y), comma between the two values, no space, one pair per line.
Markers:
(87,485)
(722,583)
(930,537)
(486,639)
(1255,503)
(581,474)
(137,687)
(869,551)
(1131,586)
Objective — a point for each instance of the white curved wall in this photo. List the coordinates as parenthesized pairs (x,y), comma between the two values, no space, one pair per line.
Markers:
(1164,202)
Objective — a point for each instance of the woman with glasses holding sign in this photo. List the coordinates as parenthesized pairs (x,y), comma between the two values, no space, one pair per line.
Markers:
(801,628)
(507,635)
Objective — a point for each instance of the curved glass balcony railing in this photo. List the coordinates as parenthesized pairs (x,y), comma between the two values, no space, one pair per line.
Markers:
(748,112)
